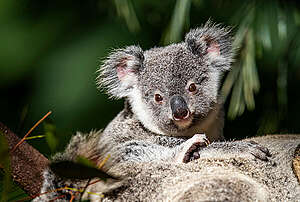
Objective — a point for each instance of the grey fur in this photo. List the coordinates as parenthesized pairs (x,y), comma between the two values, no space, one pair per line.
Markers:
(221,174)
(146,130)
(224,172)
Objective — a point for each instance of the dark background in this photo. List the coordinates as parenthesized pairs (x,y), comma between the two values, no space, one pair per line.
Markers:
(50,50)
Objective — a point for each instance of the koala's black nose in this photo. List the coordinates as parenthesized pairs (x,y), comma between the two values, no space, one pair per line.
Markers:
(179,108)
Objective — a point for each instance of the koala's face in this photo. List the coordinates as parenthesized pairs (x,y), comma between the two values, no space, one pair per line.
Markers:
(172,88)
(177,88)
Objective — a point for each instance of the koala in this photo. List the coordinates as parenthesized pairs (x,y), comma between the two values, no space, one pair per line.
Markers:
(171,94)
(173,106)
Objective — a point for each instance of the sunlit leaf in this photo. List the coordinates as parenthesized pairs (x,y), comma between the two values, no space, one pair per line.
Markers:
(250,76)
(247,21)
(237,105)
(179,18)
(237,44)
(243,79)
(230,80)
(35,137)
(51,139)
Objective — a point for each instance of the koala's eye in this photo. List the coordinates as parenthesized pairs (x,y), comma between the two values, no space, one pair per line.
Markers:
(192,88)
(158,98)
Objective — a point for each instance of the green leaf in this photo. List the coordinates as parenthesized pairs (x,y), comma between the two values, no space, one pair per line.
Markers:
(84,161)
(250,77)
(35,137)
(51,139)
(230,80)
(243,79)
(180,17)
(237,105)
(72,170)
(125,9)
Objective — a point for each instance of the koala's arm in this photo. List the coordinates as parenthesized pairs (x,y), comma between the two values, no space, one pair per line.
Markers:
(125,139)
(196,147)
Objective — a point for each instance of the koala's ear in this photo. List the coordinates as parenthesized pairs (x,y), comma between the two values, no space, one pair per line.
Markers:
(119,72)
(212,42)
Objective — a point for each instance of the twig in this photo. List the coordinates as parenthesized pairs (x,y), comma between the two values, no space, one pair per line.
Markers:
(35,125)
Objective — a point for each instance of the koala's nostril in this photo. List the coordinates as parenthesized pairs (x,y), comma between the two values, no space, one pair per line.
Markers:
(179,108)
(181,113)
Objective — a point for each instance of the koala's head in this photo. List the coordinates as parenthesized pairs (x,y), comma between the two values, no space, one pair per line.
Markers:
(171,88)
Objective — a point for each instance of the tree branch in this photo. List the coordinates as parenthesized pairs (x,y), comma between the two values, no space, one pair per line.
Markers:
(26,163)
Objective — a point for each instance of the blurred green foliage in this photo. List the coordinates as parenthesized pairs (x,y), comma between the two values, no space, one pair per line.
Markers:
(50,134)
(50,51)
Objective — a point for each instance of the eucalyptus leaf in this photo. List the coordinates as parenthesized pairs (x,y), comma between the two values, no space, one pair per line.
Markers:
(50,131)
(179,18)
(84,161)
(72,170)
(125,10)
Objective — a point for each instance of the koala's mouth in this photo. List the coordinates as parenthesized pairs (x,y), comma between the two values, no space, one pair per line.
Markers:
(184,122)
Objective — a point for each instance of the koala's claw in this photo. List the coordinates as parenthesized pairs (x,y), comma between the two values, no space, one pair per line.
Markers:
(261,148)
(259,151)
(191,148)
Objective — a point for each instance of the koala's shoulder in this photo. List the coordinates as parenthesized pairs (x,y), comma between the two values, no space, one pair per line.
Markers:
(126,126)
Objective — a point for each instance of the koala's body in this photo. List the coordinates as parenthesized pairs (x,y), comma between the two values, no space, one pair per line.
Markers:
(171,96)
(172,93)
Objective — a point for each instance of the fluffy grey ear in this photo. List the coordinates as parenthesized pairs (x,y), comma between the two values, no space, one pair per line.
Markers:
(214,42)
(119,72)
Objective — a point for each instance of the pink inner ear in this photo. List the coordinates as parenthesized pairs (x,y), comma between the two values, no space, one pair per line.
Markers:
(122,68)
(121,71)
(214,48)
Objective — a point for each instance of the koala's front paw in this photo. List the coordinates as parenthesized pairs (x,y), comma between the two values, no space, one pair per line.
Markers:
(258,151)
(190,148)
(243,149)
